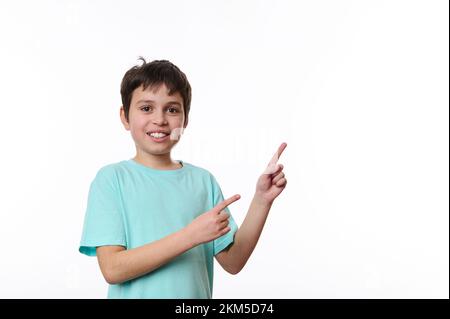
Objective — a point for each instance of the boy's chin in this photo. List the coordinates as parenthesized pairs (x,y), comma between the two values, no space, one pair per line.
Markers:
(159,149)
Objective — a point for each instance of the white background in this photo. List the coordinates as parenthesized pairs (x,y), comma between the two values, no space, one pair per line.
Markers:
(358,90)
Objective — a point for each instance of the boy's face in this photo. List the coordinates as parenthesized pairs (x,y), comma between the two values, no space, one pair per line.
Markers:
(154,111)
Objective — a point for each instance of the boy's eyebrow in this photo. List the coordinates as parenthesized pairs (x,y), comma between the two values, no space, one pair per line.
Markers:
(151,101)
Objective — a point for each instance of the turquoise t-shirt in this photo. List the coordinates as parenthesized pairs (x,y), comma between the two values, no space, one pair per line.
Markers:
(130,205)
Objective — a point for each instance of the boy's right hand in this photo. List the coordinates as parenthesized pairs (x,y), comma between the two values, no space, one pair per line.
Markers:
(212,224)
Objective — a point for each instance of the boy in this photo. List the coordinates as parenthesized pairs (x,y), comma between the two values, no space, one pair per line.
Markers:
(155,224)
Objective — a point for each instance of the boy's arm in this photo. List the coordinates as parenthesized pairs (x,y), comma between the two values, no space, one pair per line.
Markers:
(119,265)
(235,257)
(268,187)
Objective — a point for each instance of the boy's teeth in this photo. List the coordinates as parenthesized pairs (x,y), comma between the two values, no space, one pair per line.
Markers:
(158,135)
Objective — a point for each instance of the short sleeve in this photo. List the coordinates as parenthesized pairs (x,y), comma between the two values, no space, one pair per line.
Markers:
(224,241)
(103,222)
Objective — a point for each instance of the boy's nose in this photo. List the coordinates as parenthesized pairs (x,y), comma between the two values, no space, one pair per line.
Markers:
(159,118)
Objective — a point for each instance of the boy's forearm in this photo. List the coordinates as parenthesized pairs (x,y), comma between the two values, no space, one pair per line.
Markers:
(129,264)
(248,234)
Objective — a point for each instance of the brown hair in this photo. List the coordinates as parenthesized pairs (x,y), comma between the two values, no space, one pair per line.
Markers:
(153,74)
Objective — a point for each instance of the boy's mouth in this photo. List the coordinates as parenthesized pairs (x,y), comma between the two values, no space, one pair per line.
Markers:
(158,136)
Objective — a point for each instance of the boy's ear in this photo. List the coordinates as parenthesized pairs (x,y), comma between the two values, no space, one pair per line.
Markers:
(124,121)
(186,122)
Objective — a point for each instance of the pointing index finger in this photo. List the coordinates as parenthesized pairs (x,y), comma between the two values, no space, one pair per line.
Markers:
(271,167)
(222,205)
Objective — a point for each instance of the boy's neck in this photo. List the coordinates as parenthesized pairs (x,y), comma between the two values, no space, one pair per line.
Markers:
(162,162)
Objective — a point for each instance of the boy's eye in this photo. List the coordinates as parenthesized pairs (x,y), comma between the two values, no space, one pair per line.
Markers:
(145,108)
(173,110)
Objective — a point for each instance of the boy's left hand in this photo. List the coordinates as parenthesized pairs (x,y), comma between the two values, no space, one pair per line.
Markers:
(273,181)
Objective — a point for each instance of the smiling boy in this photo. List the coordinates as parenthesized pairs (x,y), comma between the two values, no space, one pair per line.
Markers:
(156,224)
